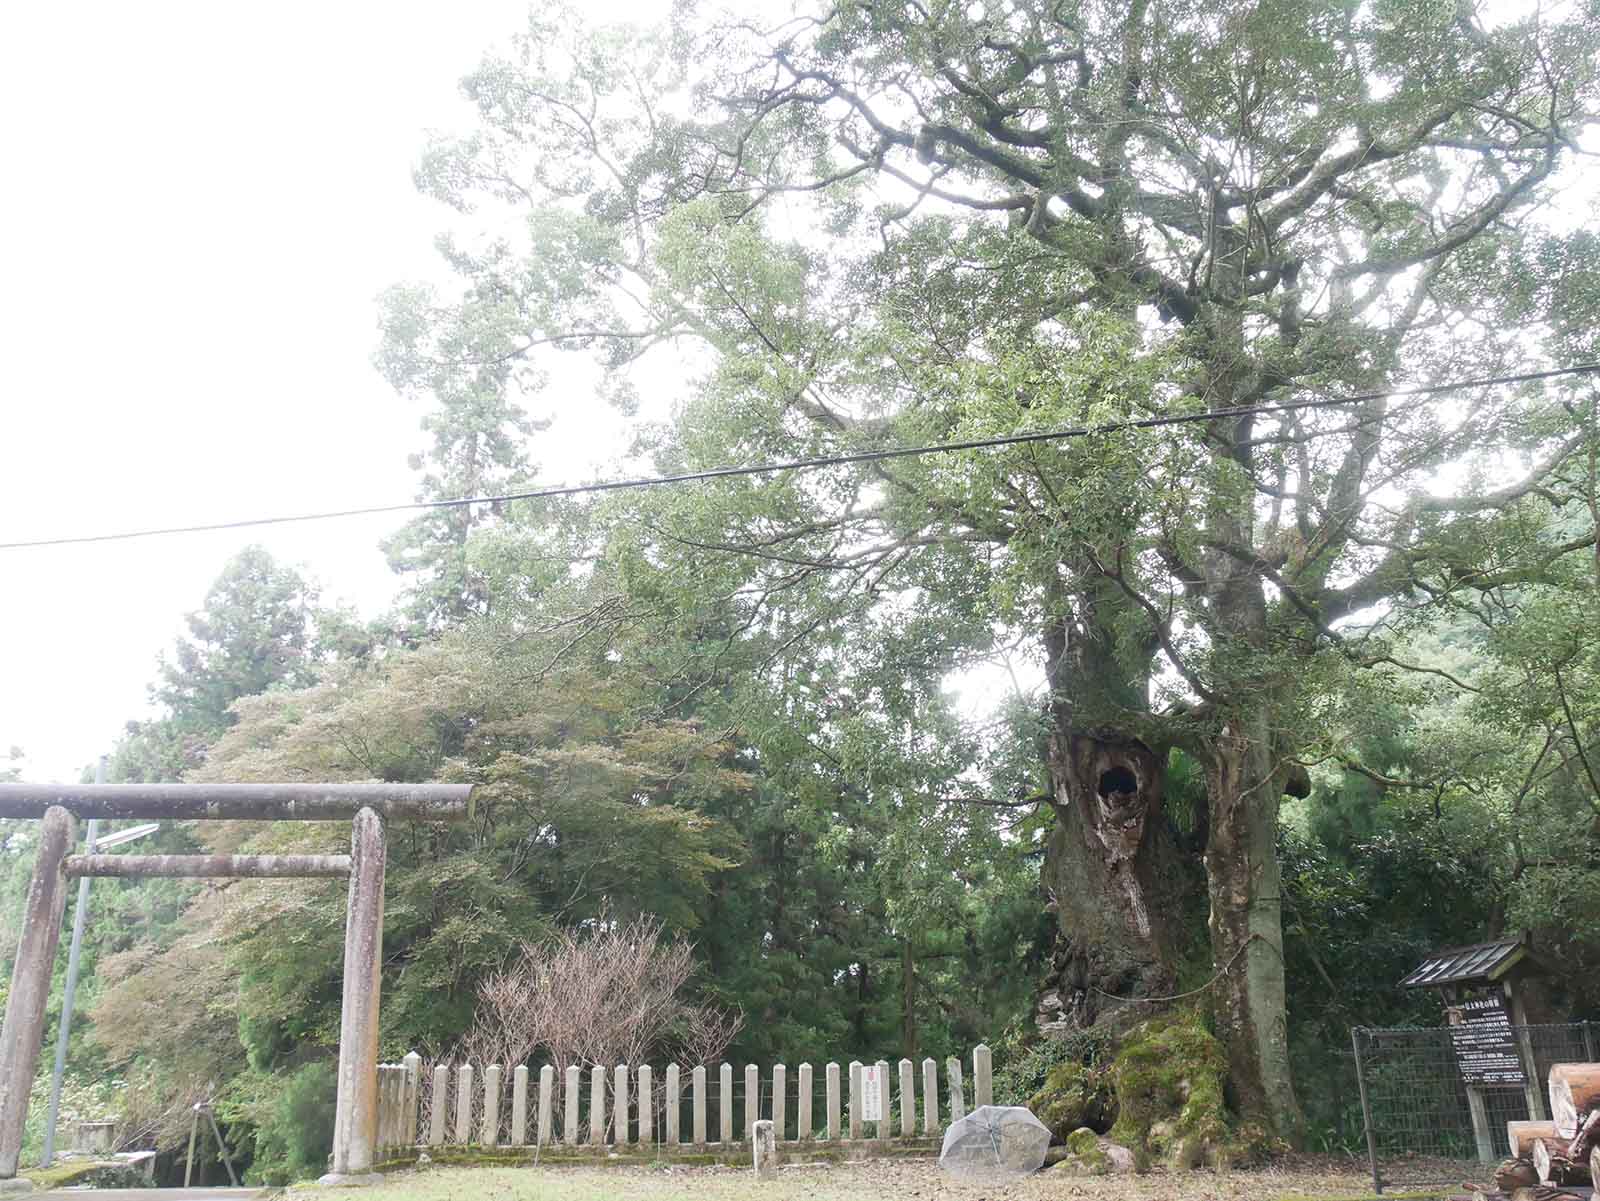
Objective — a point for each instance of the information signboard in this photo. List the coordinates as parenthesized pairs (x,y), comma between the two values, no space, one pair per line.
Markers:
(872,1093)
(1486,1047)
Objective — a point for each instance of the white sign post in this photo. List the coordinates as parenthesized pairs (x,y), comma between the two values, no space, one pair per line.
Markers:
(872,1094)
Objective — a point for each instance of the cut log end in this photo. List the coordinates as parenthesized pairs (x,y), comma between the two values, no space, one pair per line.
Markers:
(1554,1168)
(1574,1091)
(1520,1136)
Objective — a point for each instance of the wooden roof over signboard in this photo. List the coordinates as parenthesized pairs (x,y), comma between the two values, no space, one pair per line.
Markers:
(1481,963)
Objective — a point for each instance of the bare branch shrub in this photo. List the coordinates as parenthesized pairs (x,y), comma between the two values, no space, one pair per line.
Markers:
(606,993)
(705,1032)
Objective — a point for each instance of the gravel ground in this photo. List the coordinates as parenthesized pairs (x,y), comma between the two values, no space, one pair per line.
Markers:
(871,1181)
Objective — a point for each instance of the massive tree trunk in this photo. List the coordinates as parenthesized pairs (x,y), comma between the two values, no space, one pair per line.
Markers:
(1245,787)
(1112,872)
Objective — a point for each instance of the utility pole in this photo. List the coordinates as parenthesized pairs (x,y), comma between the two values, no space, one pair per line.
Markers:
(79,916)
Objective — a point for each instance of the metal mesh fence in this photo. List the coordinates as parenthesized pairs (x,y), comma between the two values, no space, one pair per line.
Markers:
(1424,1124)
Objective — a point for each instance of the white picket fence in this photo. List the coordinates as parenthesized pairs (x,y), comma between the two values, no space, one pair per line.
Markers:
(626,1106)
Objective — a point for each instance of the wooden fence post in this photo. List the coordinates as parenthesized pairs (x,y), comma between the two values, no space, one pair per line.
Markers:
(884,1124)
(464,1104)
(597,1106)
(439,1105)
(700,1105)
(647,1105)
(674,1105)
(908,1100)
(547,1085)
(802,1105)
(619,1090)
(491,1105)
(569,1099)
(519,1106)
(413,1066)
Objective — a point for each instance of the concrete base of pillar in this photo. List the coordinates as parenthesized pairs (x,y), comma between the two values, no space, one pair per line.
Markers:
(350,1179)
(17,1185)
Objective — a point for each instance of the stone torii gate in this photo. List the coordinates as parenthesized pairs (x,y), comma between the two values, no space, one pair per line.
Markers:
(366,805)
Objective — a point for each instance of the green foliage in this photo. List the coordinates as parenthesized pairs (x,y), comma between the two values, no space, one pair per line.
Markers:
(293,1114)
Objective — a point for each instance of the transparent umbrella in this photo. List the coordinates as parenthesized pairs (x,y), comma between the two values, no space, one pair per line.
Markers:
(995,1141)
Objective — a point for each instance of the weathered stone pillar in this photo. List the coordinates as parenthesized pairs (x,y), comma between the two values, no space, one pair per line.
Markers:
(930,1097)
(764,1149)
(570,1088)
(908,1100)
(355,1122)
(752,1098)
(958,1100)
(883,1098)
(674,1105)
(802,1104)
(519,1106)
(413,1066)
(439,1106)
(699,1078)
(597,1105)
(725,1080)
(833,1102)
(982,1076)
(491,1105)
(647,1106)
(780,1089)
(547,1088)
(855,1099)
(23,1032)
(619,1103)
(464,1105)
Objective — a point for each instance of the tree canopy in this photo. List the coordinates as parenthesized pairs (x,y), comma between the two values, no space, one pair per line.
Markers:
(1274,244)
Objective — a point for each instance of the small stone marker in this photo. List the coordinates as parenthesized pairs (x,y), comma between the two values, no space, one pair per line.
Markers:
(764,1150)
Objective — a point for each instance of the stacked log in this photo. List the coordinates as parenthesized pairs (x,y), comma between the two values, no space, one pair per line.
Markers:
(1554,1166)
(1565,1150)
(1574,1093)
(1520,1136)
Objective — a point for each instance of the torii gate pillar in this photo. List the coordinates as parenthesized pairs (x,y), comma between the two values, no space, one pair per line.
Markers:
(23,1032)
(355,1122)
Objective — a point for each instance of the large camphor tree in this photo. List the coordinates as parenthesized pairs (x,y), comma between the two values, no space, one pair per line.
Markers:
(899,222)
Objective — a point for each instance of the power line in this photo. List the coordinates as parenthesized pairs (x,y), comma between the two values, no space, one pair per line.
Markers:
(861,456)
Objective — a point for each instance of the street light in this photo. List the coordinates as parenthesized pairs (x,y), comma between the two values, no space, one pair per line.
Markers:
(90,846)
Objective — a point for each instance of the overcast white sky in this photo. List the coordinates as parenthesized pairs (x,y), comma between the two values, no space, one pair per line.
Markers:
(201,202)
